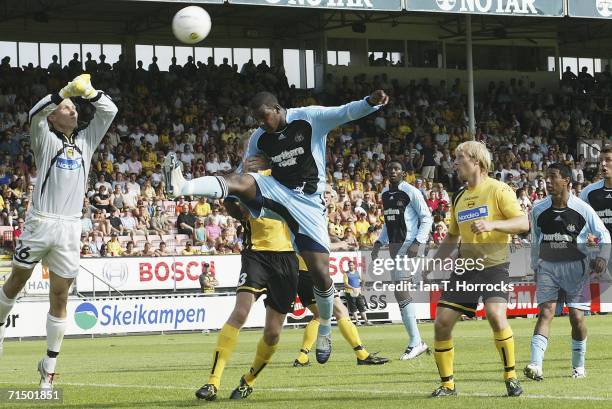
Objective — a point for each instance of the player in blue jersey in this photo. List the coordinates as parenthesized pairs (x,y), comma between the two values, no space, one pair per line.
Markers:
(406,230)
(562,259)
(294,141)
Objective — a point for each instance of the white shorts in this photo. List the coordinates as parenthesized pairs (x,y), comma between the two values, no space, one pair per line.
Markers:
(56,240)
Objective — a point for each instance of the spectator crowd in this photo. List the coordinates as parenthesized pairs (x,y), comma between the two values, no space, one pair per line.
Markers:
(200,112)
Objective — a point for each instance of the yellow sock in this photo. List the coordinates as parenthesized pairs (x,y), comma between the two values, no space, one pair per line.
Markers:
(310,336)
(350,333)
(444,352)
(262,357)
(504,342)
(225,345)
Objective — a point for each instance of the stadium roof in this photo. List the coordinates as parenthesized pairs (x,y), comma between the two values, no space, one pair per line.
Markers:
(138,18)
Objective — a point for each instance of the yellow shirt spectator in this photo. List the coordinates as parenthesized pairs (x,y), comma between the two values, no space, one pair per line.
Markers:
(106,166)
(361,225)
(526,164)
(113,247)
(164,139)
(410,177)
(368,239)
(202,209)
(189,250)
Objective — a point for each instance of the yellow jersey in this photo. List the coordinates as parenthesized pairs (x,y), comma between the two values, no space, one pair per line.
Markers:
(263,234)
(490,200)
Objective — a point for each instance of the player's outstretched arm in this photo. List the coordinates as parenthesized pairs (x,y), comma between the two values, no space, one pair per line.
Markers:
(105,109)
(331,117)
(105,113)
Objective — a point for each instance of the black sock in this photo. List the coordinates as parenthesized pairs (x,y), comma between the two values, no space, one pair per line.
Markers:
(52,354)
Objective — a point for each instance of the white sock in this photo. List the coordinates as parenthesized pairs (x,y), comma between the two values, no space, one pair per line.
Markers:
(6,305)
(56,327)
(212,187)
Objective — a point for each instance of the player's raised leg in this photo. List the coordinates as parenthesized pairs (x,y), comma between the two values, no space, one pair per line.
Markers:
(265,349)
(295,141)
(226,342)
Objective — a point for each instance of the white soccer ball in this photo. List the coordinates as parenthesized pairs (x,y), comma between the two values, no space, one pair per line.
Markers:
(191,24)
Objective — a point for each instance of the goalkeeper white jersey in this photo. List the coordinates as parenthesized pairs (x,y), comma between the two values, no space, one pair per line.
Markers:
(63,161)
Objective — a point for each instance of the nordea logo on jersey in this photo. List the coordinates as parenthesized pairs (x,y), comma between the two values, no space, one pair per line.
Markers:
(472,214)
(69,160)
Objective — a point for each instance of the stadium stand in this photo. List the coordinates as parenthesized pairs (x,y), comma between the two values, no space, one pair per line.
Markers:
(199,111)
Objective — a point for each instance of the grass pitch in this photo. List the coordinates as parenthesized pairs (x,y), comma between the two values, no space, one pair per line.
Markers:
(163,371)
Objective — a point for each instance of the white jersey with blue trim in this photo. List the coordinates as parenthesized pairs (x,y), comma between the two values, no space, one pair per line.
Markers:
(407,216)
(63,161)
(561,234)
(297,152)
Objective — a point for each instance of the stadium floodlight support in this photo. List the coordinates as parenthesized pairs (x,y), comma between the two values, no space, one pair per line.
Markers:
(470,75)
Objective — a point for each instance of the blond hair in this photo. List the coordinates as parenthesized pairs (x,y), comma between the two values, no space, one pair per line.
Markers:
(476,151)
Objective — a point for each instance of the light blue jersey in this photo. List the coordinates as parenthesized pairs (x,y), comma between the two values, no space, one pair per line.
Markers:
(297,155)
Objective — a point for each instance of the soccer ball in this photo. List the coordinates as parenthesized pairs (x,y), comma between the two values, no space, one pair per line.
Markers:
(191,24)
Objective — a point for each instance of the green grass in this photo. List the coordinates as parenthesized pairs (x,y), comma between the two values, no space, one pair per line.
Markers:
(163,371)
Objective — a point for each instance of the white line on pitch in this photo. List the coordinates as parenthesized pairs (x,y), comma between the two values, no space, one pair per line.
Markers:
(314,389)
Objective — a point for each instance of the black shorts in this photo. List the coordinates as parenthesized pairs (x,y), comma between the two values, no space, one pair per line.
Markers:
(356,303)
(487,283)
(272,273)
(306,289)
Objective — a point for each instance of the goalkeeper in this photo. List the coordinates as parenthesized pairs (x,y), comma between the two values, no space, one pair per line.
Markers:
(52,232)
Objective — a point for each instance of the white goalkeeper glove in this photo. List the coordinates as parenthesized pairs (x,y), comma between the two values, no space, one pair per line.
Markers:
(78,87)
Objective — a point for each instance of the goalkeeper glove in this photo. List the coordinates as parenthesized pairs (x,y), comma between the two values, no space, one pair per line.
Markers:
(78,87)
